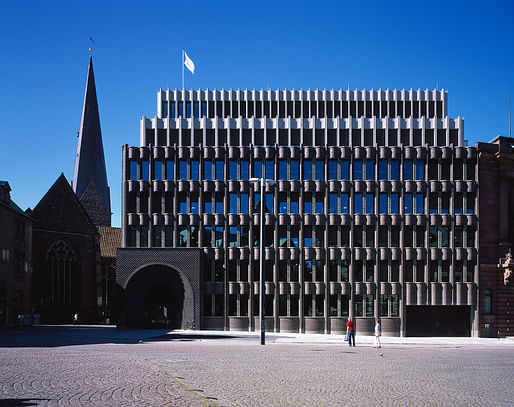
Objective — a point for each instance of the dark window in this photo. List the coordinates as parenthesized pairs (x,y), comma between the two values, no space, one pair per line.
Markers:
(145,170)
(382,170)
(370,170)
(345,170)
(320,170)
(357,170)
(232,170)
(245,169)
(257,169)
(170,170)
(407,170)
(295,170)
(332,169)
(307,170)
(195,173)
(133,170)
(282,169)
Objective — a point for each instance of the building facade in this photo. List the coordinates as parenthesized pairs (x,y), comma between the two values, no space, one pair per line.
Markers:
(372,212)
(496,173)
(15,259)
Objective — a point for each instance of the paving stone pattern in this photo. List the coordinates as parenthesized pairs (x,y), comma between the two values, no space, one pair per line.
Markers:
(240,372)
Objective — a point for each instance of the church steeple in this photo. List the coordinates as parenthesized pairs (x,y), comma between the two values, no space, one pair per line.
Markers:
(89,176)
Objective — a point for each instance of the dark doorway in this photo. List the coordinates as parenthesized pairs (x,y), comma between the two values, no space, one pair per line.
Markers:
(155,298)
(438,320)
(162,307)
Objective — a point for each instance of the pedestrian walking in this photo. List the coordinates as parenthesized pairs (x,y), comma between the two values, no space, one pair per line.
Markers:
(378,334)
(76,319)
(350,331)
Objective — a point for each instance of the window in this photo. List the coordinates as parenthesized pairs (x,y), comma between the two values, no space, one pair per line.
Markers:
(332,169)
(395,170)
(270,173)
(219,203)
(220,174)
(369,203)
(282,170)
(170,170)
(419,204)
(488,302)
(345,203)
(357,204)
(195,173)
(395,203)
(307,170)
(244,203)
(295,170)
(320,169)
(232,170)
(382,203)
(232,203)
(407,170)
(182,170)
(257,169)
(269,203)
(157,170)
(332,203)
(420,170)
(357,170)
(145,170)
(345,170)
(319,203)
(245,171)
(370,170)
(382,170)
(407,202)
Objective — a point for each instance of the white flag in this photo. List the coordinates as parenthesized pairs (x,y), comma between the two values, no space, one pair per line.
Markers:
(189,63)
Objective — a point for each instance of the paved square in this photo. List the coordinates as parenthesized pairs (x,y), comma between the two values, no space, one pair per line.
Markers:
(101,366)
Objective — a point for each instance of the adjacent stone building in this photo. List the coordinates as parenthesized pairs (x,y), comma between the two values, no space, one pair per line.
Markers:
(15,259)
(372,212)
(496,174)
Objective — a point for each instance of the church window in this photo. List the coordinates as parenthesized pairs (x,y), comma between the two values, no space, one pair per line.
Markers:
(60,261)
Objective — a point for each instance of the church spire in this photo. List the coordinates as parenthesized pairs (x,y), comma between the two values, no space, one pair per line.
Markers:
(89,161)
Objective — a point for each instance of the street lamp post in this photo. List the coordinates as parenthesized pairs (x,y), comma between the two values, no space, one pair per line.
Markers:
(262,311)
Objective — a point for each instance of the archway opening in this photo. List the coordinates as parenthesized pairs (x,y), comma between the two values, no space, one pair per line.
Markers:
(162,307)
(155,298)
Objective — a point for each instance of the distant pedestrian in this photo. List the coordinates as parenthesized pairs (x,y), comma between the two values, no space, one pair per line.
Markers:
(378,334)
(350,331)
(76,319)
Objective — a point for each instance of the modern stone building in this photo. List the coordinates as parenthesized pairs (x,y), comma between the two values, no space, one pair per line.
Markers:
(372,213)
(496,174)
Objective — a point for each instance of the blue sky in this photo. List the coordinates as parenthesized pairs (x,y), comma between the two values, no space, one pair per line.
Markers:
(464,47)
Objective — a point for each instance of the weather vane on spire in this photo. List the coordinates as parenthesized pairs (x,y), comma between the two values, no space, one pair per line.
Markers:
(91,47)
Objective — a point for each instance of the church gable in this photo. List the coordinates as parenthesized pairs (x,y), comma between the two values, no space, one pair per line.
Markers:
(60,210)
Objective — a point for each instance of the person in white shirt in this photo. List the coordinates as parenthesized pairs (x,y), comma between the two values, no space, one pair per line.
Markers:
(378,334)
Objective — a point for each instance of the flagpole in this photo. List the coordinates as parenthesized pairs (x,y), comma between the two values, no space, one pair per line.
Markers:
(182,68)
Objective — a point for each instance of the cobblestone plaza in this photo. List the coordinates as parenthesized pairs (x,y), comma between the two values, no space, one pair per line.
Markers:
(101,366)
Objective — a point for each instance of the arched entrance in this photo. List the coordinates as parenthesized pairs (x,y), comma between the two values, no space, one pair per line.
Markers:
(157,296)
(163,306)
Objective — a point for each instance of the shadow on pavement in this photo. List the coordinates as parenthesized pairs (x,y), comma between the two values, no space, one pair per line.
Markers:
(188,337)
(20,402)
(55,336)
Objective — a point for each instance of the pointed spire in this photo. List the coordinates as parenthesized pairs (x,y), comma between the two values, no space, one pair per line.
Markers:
(90,160)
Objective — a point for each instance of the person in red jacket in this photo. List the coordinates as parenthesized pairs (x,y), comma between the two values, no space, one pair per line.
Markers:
(350,330)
